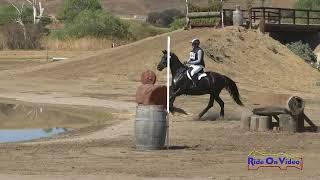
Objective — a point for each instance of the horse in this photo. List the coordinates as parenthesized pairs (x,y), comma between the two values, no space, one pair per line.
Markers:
(211,83)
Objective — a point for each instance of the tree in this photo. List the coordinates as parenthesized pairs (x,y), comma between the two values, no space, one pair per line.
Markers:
(72,8)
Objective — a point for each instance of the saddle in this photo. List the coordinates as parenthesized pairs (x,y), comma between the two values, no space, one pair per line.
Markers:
(201,74)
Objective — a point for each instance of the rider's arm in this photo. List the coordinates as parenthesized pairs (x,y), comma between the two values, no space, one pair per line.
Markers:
(200,54)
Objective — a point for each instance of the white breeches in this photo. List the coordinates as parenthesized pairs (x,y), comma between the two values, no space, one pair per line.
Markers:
(195,69)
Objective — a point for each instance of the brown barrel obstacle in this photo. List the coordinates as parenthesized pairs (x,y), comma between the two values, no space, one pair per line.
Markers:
(288,112)
(151,116)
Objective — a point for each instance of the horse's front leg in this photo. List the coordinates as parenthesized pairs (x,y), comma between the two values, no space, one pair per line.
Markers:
(173,97)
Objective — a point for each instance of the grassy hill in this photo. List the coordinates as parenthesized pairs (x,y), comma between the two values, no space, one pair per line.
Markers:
(142,7)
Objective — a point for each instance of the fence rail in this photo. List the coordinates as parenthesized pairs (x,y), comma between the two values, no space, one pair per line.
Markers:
(280,15)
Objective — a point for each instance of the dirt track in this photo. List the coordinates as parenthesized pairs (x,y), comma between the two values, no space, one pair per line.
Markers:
(210,149)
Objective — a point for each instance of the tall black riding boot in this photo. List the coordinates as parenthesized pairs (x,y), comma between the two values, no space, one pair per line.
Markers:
(194,80)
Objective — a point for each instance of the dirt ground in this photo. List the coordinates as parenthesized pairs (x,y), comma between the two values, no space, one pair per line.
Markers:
(212,148)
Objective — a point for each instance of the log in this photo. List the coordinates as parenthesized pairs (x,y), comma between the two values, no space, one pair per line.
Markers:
(203,14)
(270,111)
(295,105)
(308,120)
(275,104)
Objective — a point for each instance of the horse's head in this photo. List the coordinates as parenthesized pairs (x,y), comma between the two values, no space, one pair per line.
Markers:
(163,61)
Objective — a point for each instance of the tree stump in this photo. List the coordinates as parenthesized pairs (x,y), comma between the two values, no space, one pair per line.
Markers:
(254,122)
(264,123)
(245,120)
(287,123)
(260,123)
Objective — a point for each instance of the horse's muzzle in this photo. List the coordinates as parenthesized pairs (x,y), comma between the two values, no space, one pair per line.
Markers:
(159,68)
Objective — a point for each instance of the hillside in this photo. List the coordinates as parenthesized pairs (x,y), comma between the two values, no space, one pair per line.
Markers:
(142,7)
(255,61)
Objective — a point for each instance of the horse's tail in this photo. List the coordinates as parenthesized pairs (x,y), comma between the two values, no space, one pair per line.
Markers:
(232,88)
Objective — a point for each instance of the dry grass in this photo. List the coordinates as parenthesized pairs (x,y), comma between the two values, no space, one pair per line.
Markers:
(2,42)
(84,44)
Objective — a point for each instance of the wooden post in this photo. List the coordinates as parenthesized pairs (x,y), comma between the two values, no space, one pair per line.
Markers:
(308,16)
(254,16)
(294,16)
(222,15)
(280,16)
(187,18)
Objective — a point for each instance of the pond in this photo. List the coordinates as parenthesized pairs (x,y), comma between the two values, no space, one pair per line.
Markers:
(19,135)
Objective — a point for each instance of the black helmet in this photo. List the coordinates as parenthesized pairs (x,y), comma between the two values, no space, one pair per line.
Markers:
(195,42)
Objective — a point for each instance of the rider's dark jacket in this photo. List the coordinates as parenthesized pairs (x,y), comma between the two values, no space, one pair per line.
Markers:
(197,57)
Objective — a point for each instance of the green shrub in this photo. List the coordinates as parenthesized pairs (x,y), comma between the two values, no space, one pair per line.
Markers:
(72,8)
(303,50)
(164,18)
(178,24)
(96,24)
(213,5)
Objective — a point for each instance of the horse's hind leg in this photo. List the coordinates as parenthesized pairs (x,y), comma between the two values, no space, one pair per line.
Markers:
(221,104)
(210,105)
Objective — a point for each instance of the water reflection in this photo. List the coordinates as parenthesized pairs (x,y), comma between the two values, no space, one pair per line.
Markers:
(17,135)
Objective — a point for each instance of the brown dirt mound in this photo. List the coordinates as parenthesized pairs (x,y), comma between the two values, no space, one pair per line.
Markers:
(254,60)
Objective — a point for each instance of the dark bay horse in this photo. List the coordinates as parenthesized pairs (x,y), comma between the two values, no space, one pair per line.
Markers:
(211,84)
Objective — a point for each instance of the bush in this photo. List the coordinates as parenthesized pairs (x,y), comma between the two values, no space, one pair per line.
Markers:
(164,18)
(72,8)
(213,5)
(96,24)
(303,50)
(178,24)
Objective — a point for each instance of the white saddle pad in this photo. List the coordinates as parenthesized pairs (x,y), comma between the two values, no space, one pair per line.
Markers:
(199,77)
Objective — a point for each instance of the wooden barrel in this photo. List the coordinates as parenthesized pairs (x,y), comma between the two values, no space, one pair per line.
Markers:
(150,127)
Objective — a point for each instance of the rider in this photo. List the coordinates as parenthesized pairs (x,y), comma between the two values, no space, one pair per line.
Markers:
(196,61)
